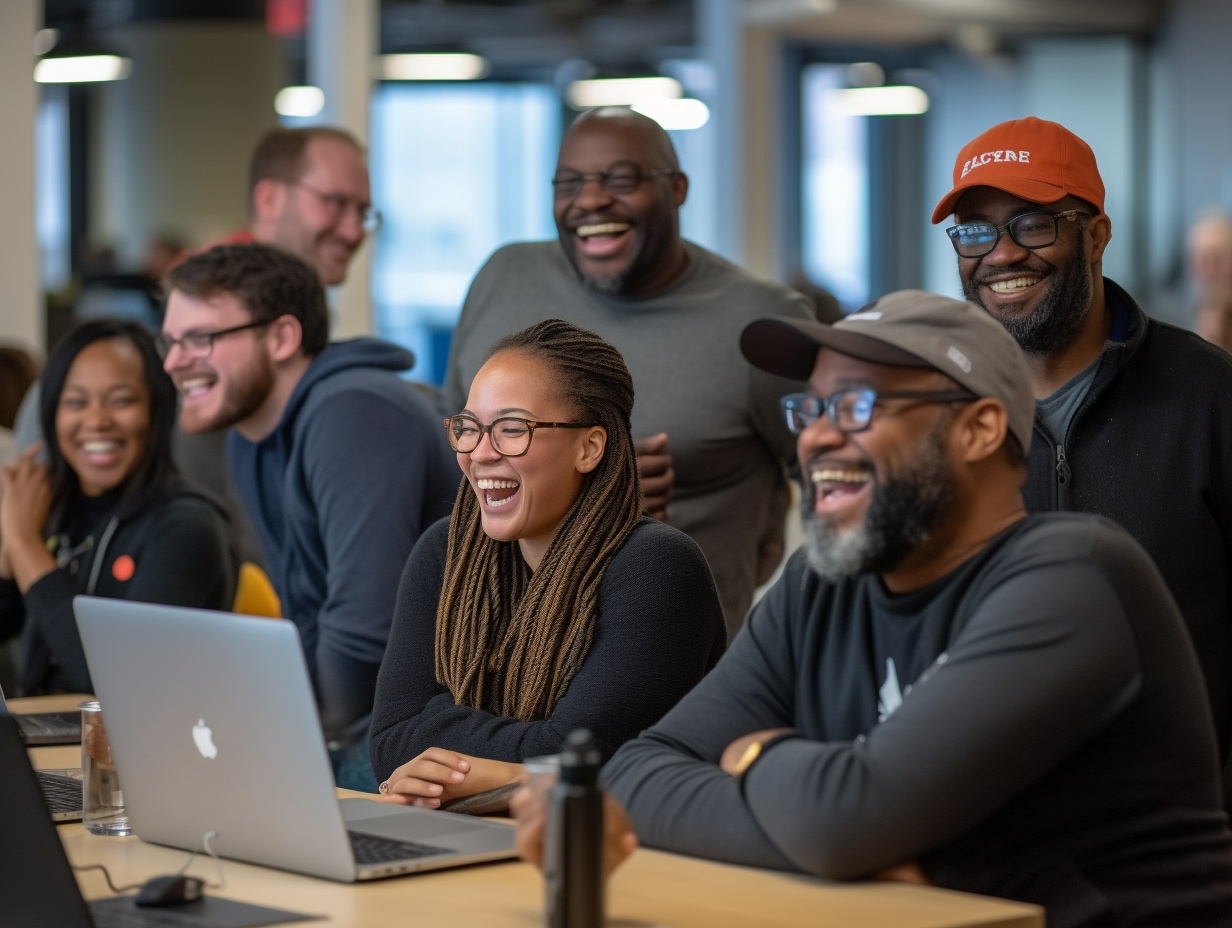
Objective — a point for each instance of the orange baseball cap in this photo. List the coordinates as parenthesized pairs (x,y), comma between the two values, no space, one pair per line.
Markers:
(1031,158)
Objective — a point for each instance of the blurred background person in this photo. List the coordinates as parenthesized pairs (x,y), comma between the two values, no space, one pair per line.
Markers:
(1214,318)
(18,370)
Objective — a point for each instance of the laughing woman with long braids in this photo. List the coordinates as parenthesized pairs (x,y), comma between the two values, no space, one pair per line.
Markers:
(547,602)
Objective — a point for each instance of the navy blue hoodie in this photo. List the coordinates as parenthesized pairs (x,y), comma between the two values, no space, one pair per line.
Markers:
(339,493)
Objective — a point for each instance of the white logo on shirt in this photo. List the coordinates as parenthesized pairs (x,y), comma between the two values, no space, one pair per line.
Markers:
(890,697)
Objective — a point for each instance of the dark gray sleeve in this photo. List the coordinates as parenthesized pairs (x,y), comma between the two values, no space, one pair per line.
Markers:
(1031,678)
(659,630)
(368,463)
(470,327)
(669,779)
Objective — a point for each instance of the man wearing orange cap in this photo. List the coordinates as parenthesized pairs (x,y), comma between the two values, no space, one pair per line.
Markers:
(1132,415)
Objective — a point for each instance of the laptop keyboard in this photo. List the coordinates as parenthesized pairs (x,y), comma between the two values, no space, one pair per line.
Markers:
(62,793)
(370,849)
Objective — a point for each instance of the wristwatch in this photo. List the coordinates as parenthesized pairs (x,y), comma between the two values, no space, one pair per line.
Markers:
(759,747)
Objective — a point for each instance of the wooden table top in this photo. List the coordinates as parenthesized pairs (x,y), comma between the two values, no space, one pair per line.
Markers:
(652,888)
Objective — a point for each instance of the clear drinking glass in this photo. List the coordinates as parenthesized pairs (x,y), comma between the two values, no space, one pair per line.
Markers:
(103,810)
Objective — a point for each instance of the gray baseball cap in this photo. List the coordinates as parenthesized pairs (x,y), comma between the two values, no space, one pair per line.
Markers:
(908,328)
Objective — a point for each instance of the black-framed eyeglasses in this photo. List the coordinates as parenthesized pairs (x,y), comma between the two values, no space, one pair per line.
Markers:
(1037,229)
(200,344)
(852,410)
(370,217)
(510,435)
(568,184)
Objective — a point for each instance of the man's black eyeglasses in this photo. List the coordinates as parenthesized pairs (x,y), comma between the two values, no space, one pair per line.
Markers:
(1030,230)
(852,410)
(510,435)
(200,344)
(568,184)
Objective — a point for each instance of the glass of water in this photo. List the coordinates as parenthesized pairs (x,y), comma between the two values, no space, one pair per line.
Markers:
(103,810)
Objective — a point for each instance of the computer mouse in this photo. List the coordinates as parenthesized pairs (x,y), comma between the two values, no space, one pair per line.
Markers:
(170,890)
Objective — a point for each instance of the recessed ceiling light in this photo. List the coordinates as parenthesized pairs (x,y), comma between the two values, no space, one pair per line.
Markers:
(621,91)
(895,100)
(434,66)
(82,69)
(685,113)
(303,100)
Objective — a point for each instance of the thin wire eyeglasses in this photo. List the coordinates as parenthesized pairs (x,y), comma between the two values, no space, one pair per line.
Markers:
(370,217)
(852,410)
(200,344)
(510,435)
(1036,229)
(568,185)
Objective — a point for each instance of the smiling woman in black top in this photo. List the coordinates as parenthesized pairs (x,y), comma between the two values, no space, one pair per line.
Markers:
(547,602)
(106,514)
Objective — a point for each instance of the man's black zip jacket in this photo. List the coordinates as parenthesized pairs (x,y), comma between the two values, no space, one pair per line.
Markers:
(1150,447)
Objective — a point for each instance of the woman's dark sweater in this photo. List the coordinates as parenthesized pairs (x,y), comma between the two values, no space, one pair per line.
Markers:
(174,552)
(660,629)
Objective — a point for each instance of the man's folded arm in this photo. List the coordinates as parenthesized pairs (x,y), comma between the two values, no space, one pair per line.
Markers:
(1047,663)
(669,779)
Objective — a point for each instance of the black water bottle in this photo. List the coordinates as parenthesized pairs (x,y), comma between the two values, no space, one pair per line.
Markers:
(573,854)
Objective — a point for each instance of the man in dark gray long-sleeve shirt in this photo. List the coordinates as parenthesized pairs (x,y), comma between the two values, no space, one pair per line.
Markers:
(941,688)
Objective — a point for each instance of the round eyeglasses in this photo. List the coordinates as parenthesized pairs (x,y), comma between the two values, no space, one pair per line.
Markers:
(510,435)
(1036,229)
(852,410)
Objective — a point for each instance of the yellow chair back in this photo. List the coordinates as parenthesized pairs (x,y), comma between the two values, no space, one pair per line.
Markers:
(254,594)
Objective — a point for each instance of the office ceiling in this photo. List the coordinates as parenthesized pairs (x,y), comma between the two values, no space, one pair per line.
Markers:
(628,35)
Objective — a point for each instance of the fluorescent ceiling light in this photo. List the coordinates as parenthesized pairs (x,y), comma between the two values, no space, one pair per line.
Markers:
(675,114)
(299,101)
(81,69)
(433,67)
(895,100)
(621,91)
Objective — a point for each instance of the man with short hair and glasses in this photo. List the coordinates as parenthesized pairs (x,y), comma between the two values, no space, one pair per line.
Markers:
(1133,419)
(308,193)
(339,462)
(940,688)
(707,432)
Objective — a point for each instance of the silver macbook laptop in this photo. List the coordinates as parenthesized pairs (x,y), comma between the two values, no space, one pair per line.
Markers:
(61,788)
(48,727)
(214,728)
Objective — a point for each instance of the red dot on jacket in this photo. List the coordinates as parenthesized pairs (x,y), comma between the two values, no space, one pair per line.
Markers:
(124,567)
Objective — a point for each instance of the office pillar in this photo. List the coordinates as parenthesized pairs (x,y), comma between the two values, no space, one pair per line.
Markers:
(21,317)
(719,32)
(761,140)
(342,45)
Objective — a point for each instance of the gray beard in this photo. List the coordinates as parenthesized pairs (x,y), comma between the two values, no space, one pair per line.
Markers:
(612,284)
(903,512)
(1060,315)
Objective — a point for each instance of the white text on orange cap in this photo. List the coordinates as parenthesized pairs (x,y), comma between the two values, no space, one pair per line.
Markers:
(990,156)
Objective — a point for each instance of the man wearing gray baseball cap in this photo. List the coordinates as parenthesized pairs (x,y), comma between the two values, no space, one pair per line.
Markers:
(940,687)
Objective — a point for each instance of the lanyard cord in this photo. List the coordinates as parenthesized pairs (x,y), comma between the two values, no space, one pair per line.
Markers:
(97,566)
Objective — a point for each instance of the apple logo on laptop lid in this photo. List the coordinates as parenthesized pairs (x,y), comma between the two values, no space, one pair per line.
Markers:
(203,737)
